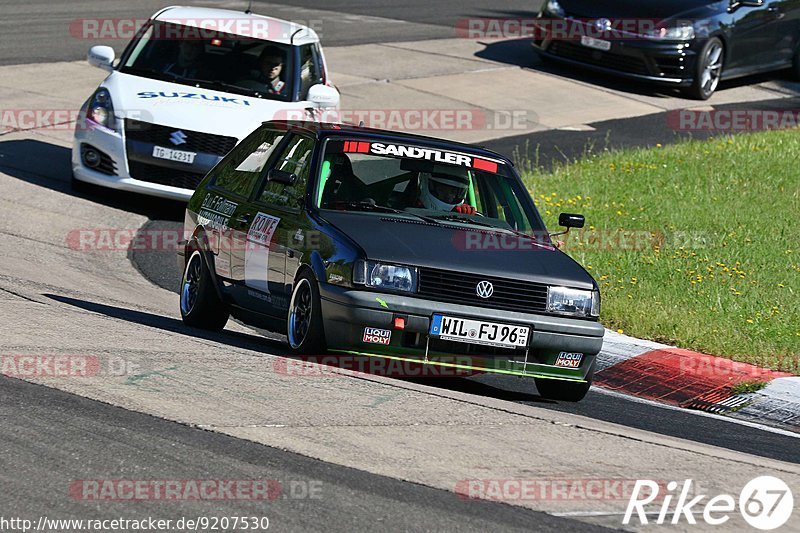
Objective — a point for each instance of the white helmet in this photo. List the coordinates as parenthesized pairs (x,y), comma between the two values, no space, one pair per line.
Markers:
(443,190)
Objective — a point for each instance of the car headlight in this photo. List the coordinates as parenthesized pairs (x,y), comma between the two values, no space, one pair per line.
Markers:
(683,31)
(552,7)
(573,302)
(100,109)
(385,276)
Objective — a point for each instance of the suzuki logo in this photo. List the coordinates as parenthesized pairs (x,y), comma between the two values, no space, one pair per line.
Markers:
(177,137)
(602,24)
(484,289)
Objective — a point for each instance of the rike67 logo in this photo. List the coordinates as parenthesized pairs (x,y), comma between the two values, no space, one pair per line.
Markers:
(765,503)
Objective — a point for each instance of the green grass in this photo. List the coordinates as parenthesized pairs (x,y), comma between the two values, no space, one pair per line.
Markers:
(748,387)
(695,244)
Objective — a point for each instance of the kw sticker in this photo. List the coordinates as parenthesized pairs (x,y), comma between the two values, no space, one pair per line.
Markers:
(256,254)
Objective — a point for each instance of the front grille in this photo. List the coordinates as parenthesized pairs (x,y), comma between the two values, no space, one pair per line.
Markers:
(196,141)
(459,288)
(584,54)
(164,176)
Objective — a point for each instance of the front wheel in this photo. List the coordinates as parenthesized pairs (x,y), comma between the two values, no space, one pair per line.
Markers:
(708,71)
(201,306)
(304,326)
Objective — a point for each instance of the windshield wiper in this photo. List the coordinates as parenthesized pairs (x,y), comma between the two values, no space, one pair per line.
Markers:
(370,205)
(455,218)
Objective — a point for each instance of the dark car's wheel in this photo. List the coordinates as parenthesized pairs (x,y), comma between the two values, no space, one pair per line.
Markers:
(564,391)
(304,323)
(201,306)
(708,70)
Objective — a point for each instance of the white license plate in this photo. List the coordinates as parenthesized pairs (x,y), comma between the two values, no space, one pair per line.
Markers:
(173,155)
(597,44)
(479,332)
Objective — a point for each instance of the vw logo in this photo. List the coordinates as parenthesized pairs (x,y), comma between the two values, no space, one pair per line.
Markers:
(602,24)
(177,137)
(484,289)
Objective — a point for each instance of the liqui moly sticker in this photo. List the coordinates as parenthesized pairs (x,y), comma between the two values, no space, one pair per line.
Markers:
(569,360)
(377,336)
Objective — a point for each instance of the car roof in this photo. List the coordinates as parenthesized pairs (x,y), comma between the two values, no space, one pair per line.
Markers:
(324,129)
(246,24)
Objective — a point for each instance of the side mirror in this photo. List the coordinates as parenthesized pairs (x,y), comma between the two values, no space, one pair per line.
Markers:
(322,96)
(281,176)
(101,57)
(569,220)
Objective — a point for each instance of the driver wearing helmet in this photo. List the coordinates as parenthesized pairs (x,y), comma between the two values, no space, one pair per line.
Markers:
(445,189)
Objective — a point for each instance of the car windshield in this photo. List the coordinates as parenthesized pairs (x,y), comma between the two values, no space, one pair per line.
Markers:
(440,186)
(231,63)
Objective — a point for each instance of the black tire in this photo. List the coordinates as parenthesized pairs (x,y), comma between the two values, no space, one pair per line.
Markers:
(304,327)
(563,391)
(200,304)
(708,70)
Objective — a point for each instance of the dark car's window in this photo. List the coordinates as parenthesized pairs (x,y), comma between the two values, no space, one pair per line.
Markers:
(215,60)
(295,158)
(386,178)
(239,173)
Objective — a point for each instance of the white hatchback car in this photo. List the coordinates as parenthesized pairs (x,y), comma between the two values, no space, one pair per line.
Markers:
(186,90)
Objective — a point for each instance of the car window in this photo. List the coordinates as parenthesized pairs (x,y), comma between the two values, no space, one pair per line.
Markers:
(295,158)
(434,182)
(240,173)
(221,61)
(310,68)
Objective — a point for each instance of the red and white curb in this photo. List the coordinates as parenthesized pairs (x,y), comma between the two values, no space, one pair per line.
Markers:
(694,380)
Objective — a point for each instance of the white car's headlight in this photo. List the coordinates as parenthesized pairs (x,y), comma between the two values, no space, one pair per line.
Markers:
(683,31)
(552,7)
(386,276)
(573,302)
(100,109)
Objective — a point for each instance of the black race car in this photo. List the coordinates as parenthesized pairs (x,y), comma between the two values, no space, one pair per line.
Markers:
(361,241)
(691,44)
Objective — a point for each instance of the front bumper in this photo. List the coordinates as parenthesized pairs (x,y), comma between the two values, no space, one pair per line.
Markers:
(662,62)
(347,312)
(112,145)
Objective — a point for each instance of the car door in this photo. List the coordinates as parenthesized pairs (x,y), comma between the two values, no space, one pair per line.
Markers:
(277,228)
(787,13)
(237,181)
(753,36)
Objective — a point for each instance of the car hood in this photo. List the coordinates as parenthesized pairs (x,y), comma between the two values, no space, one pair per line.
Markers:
(192,108)
(473,250)
(642,9)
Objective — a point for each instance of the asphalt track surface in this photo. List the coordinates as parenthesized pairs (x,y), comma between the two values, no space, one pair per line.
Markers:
(38,31)
(62,436)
